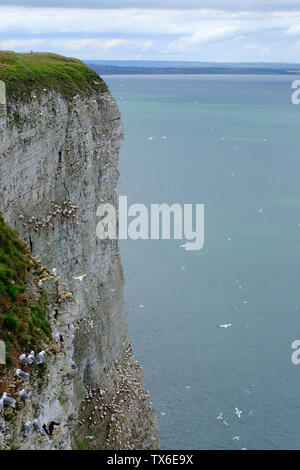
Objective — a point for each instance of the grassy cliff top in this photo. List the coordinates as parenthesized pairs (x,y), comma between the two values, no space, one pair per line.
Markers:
(25,73)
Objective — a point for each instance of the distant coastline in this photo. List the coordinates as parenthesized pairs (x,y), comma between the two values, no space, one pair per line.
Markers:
(189,68)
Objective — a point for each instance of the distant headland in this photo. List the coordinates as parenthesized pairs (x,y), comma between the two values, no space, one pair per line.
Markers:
(144,67)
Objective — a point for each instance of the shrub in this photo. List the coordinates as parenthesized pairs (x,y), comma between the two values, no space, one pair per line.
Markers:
(13,292)
(10,322)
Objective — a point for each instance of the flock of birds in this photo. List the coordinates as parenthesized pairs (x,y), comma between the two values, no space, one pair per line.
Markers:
(101,406)
(27,360)
(238,414)
(7,401)
(66,210)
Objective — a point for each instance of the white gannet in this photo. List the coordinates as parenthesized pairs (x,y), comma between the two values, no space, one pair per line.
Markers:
(238,412)
(79,278)
(225,326)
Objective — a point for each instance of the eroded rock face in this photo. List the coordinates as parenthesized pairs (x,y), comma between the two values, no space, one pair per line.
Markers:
(58,163)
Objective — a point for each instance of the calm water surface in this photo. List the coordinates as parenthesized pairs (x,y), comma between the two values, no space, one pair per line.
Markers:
(233,144)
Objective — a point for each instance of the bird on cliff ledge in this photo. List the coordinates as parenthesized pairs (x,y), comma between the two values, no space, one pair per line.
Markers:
(8,401)
(41,357)
(23,395)
(26,429)
(79,278)
(21,374)
(32,358)
(42,285)
(24,359)
(36,425)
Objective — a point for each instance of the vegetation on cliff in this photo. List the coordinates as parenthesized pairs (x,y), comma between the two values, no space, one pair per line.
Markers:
(23,308)
(25,74)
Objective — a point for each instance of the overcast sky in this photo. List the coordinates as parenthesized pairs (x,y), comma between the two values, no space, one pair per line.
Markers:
(201,30)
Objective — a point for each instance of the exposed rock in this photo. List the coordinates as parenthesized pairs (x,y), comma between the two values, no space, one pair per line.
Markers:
(58,161)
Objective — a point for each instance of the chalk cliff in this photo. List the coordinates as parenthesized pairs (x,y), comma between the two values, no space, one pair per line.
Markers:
(59,157)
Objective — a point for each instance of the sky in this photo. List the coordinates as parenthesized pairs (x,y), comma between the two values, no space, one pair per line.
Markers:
(189,30)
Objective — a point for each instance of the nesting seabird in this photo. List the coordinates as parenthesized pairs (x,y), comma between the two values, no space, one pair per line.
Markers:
(57,337)
(54,272)
(26,428)
(21,374)
(79,278)
(41,357)
(23,395)
(32,358)
(8,401)
(36,425)
(42,285)
(51,427)
(24,359)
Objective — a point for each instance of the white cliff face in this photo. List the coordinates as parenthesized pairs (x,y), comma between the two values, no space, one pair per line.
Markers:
(58,163)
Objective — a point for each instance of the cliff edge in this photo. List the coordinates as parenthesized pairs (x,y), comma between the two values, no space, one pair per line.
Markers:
(60,136)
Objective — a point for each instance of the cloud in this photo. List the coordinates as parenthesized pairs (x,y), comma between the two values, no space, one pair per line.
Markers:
(137,21)
(210,32)
(223,5)
(83,48)
(24,45)
(158,34)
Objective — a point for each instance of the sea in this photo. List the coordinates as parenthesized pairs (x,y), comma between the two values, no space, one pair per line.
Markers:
(230,142)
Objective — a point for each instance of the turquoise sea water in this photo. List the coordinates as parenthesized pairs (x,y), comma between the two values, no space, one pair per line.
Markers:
(232,144)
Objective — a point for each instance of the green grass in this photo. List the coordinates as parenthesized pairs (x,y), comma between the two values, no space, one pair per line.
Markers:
(32,72)
(23,317)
